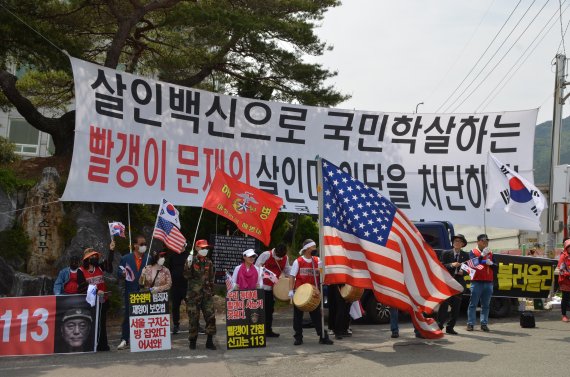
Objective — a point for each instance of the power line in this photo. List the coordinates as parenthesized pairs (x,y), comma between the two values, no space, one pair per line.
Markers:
(430,96)
(503,57)
(561,31)
(510,71)
(481,57)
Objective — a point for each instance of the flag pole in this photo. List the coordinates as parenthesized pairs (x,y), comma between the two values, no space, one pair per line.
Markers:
(197,227)
(152,236)
(321,237)
(129,225)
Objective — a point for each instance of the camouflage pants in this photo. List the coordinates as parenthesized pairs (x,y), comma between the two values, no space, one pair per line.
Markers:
(200,302)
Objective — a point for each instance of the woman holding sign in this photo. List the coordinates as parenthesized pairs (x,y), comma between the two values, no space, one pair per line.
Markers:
(247,275)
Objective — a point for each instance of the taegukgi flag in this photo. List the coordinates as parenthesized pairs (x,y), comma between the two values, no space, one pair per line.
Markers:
(169,213)
(518,196)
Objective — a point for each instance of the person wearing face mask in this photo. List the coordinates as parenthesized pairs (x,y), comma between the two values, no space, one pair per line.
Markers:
(305,269)
(130,269)
(155,277)
(93,269)
(277,262)
(247,276)
(70,280)
(199,270)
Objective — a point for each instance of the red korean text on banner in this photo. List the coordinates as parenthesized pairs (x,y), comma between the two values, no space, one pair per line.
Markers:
(27,325)
(250,208)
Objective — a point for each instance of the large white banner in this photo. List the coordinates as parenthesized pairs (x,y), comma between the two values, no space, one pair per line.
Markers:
(138,140)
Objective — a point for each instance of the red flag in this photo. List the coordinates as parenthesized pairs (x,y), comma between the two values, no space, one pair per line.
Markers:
(369,243)
(250,208)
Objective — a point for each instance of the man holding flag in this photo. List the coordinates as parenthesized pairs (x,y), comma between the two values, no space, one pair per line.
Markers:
(369,243)
(481,283)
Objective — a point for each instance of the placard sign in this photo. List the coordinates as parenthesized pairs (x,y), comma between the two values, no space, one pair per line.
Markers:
(46,324)
(245,319)
(149,321)
(228,253)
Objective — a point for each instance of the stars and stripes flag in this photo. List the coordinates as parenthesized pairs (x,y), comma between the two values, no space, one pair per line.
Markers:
(229,283)
(116,229)
(474,263)
(168,233)
(369,243)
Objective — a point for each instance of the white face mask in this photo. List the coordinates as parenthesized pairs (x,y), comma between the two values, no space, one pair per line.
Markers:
(161,261)
(142,249)
(203,252)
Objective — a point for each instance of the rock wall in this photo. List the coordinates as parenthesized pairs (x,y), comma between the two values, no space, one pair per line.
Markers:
(7,206)
(40,221)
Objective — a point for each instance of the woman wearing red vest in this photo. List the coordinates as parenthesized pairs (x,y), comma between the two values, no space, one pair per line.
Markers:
(305,269)
(277,262)
(564,279)
(93,270)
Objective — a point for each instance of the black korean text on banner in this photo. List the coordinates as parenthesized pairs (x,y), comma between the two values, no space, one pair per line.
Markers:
(245,319)
(149,321)
(138,140)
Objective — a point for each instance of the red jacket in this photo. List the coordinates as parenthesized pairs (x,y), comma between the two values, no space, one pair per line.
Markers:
(486,273)
(564,271)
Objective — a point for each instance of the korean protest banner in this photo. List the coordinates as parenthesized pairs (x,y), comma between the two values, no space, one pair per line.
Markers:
(149,321)
(526,277)
(227,253)
(245,319)
(138,140)
(40,325)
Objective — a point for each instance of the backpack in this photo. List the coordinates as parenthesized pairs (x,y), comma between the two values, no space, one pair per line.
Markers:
(527,319)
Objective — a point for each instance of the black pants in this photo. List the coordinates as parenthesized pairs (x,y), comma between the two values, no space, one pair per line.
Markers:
(102,343)
(269,308)
(455,303)
(565,302)
(177,294)
(298,322)
(339,317)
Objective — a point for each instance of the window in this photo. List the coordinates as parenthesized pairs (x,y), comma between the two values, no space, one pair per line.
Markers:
(25,137)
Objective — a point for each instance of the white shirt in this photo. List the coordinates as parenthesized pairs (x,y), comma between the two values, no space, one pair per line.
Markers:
(262,259)
(259,275)
(295,267)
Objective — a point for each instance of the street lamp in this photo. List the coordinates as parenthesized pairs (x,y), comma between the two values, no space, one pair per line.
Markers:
(421,103)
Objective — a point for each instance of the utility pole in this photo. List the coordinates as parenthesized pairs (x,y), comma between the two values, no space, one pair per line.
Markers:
(559,99)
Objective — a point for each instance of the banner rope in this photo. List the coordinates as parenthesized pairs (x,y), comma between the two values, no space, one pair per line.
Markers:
(25,208)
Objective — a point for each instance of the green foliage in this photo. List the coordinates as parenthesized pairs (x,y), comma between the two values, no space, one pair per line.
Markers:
(543,149)
(115,299)
(10,183)
(67,229)
(7,152)
(308,228)
(15,243)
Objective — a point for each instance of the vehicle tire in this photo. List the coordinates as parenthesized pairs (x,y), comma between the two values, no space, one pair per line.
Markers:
(376,312)
(500,307)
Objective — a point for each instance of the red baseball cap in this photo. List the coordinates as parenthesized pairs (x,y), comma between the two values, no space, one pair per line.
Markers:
(202,243)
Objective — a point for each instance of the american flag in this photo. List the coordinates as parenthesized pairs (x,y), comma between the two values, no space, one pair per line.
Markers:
(474,263)
(229,283)
(170,235)
(369,243)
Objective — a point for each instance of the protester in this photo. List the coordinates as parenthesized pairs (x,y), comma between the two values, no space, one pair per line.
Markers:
(155,277)
(179,286)
(199,270)
(305,269)
(339,319)
(75,328)
(93,269)
(277,262)
(452,260)
(70,280)
(247,275)
(564,278)
(130,269)
(481,283)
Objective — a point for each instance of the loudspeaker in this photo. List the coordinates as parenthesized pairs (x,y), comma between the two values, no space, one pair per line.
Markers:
(527,319)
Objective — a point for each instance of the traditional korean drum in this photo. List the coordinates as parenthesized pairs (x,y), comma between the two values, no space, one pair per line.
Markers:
(307,298)
(281,289)
(350,293)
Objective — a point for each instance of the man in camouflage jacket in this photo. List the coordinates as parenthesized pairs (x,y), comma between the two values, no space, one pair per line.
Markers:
(199,270)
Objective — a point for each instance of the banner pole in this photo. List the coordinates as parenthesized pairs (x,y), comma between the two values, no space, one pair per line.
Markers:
(129,225)
(321,238)
(152,236)
(197,227)
(97,324)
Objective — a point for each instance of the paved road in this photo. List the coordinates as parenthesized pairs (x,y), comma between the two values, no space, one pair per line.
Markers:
(507,350)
